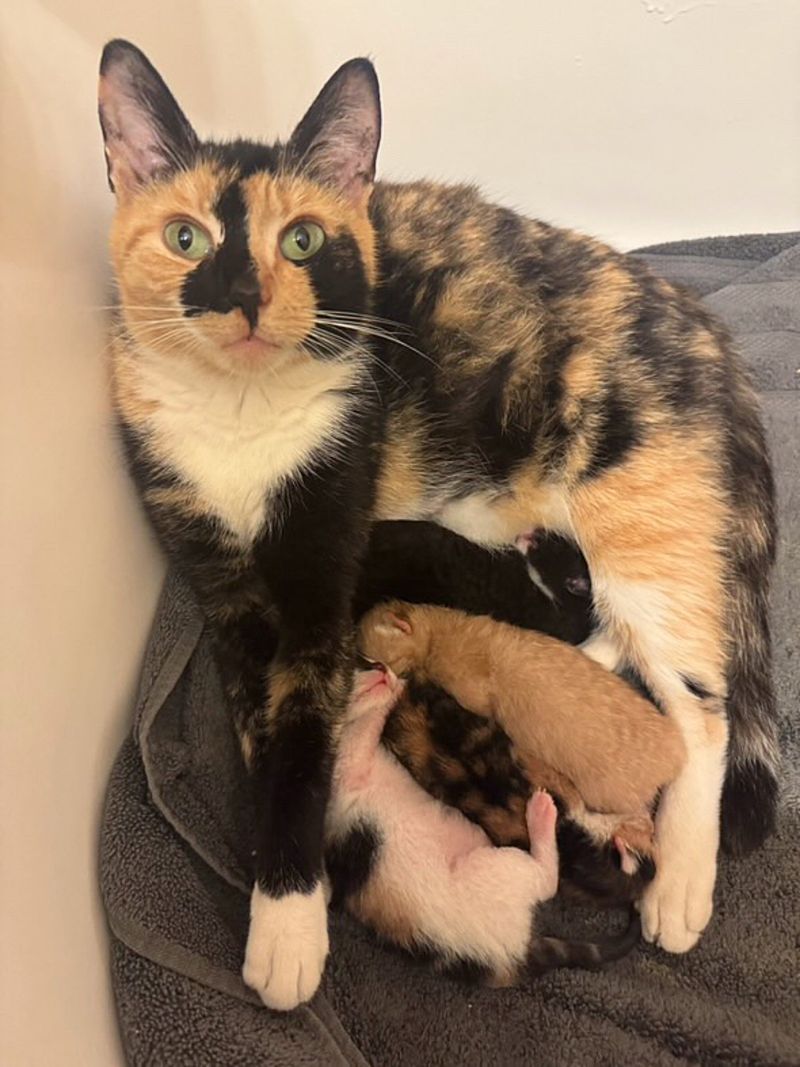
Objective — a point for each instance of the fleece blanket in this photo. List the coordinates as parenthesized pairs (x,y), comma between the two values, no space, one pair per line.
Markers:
(173,861)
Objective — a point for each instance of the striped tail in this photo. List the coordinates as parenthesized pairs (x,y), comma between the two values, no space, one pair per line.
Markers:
(750,793)
(548,953)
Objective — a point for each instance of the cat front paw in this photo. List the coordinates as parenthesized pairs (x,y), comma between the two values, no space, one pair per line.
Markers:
(287,946)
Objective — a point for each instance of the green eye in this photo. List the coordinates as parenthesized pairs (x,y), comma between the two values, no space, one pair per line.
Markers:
(302,241)
(187,239)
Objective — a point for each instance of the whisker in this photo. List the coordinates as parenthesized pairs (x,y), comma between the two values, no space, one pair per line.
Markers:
(381,334)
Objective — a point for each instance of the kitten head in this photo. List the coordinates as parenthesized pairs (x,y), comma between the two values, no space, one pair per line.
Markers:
(556,565)
(375,690)
(240,256)
(393,634)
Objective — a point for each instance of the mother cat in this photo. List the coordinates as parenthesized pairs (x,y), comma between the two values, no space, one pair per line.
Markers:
(272,409)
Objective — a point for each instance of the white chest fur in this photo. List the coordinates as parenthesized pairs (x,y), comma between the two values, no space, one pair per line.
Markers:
(237,440)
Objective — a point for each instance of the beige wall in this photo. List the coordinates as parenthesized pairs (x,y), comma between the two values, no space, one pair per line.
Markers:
(637,120)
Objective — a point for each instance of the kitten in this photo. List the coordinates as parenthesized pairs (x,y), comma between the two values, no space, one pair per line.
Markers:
(424,877)
(427,564)
(466,761)
(303,352)
(576,728)
(556,568)
(458,757)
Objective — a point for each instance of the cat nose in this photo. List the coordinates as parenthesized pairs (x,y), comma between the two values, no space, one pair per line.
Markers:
(245,293)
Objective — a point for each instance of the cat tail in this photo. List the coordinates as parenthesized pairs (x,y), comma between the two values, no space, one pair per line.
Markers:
(750,793)
(548,953)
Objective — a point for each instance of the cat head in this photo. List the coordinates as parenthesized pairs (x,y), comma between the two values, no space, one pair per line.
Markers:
(240,255)
(394,634)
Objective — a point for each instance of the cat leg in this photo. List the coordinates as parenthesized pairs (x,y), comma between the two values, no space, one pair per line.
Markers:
(652,540)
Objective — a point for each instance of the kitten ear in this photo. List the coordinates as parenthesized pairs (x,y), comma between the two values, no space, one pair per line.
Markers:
(336,141)
(399,621)
(144,130)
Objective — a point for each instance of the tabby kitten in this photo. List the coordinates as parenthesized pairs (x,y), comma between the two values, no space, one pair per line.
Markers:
(271,411)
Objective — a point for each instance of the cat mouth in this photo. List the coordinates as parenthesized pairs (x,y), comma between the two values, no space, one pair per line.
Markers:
(252,347)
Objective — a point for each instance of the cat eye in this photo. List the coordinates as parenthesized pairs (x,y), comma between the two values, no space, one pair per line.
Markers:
(187,239)
(302,241)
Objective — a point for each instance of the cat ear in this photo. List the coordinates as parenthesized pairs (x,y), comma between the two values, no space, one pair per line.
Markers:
(144,130)
(398,621)
(336,141)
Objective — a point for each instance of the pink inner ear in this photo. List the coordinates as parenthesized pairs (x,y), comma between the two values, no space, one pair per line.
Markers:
(399,622)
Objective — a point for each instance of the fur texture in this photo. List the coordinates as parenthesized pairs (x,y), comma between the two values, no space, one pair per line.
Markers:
(473,368)
(423,876)
(467,762)
(576,728)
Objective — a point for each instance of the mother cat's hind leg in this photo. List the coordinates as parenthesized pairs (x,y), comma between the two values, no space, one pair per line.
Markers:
(652,540)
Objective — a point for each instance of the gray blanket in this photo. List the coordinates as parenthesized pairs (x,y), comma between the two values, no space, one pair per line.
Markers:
(173,860)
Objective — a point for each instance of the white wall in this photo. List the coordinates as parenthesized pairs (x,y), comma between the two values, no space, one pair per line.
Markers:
(639,121)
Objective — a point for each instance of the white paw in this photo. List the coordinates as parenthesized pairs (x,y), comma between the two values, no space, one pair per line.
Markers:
(677,905)
(286,947)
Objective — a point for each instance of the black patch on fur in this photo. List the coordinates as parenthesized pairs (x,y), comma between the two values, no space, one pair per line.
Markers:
(503,441)
(554,435)
(340,283)
(561,566)
(634,679)
(590,870)
(246,157)
(228,279)
(291,783)
(426,564)
(450,726)
(616,435)
(663,332)
(695,688)
(749,803)
(350,860)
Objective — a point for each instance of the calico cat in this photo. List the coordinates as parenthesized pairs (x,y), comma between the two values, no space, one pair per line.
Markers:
(466,762)
(424,877)
(302,352)
(577,729)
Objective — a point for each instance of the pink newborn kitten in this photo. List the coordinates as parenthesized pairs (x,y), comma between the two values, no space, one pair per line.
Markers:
(426,878)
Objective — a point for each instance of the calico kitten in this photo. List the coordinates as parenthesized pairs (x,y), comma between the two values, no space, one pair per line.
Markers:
(466,762)
(424,877)
(576,728)
(302,352)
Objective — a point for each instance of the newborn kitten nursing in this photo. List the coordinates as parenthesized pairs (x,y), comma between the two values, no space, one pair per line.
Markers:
(571,721)
(428,564)
(424,877)
(466,762)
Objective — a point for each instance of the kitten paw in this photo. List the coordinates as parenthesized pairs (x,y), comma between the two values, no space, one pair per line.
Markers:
(286,947)
(540,815)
